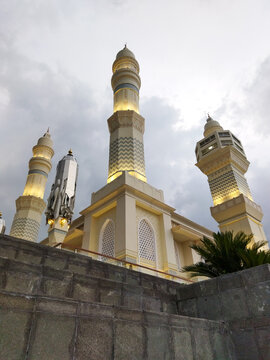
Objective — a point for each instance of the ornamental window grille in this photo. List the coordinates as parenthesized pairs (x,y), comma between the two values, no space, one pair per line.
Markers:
(147,243)
(107,239)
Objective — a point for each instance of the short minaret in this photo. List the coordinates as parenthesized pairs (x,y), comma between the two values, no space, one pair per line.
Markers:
(126,125)
(30,206)
(61,199)
(2,224)
(220,156)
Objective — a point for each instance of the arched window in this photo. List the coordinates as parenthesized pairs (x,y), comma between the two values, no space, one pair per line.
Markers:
(107,239)
(147,243)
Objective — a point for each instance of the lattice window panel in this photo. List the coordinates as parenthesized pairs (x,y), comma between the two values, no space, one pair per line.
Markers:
(108,240)
(146,241)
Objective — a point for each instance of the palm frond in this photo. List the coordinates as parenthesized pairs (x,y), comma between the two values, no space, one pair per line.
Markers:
(227,253)
(201,269)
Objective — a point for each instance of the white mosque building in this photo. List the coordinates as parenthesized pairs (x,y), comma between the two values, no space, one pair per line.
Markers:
(128,218)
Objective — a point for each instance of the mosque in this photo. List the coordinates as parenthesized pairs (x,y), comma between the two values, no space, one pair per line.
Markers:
(128,218)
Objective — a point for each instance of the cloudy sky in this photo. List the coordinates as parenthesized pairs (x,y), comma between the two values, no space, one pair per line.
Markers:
(196,56)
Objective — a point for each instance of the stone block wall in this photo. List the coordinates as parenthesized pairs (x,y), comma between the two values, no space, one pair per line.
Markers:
(55,304)
(242,300)
(34,269)
(43,328)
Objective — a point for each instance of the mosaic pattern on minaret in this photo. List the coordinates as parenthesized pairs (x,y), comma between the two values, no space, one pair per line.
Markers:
(30,206)
(226,174)
(220,156)
(126,125)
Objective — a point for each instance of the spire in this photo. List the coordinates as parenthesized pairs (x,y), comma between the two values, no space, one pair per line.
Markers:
(208,118)
(125,53)
(47,133)
(126,126)
(211,126)
(126,81)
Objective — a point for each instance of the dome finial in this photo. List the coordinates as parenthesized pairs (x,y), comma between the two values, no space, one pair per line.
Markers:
(211,126)
(70,152)
(208,117)
(125,53)
(47,133)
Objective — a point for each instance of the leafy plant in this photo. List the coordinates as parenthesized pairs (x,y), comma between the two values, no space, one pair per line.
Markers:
(227,253)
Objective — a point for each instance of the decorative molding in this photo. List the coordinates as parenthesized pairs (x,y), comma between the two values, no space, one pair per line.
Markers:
(30,203)
(219,158)
(127,118)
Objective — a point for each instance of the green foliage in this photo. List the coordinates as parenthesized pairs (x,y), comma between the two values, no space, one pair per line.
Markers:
(227,253)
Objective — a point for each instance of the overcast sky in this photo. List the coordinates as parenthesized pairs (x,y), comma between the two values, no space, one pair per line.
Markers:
(196,56)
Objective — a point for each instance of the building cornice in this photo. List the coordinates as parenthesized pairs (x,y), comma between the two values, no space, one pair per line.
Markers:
(126,118)
(219,158)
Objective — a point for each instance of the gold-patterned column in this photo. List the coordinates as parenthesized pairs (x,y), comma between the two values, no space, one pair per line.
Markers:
(126,125)
(30,206)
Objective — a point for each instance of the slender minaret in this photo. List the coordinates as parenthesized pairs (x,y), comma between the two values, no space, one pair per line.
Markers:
(220,156)
(126,125)
(30,206)
(61,199)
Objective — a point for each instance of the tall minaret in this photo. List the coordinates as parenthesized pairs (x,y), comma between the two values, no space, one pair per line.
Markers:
(62,198)
(126,125)
(30,206)
(221,157)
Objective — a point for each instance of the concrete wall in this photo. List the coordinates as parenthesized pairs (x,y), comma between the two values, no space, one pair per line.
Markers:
(58,305)
(240,299)
(43,328)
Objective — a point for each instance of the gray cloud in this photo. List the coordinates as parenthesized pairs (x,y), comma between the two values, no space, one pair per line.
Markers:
(33,98)
(170,160)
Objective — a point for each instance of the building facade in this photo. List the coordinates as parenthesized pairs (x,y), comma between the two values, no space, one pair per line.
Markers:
(128,218)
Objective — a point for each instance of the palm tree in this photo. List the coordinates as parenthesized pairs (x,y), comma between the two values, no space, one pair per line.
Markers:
(227,253)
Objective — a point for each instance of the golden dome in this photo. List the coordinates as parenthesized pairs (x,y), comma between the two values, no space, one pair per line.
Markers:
(211,126)
(125,53)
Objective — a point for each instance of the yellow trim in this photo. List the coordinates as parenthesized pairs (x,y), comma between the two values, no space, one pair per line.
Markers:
(147,207)
(125,88)
(125,255)
(242,218)
(105,209)
(136,174)
(131,190)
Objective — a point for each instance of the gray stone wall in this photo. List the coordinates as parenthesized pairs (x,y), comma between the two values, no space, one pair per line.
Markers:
(43,328)
(33,269)
(55,305)
(242,300)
